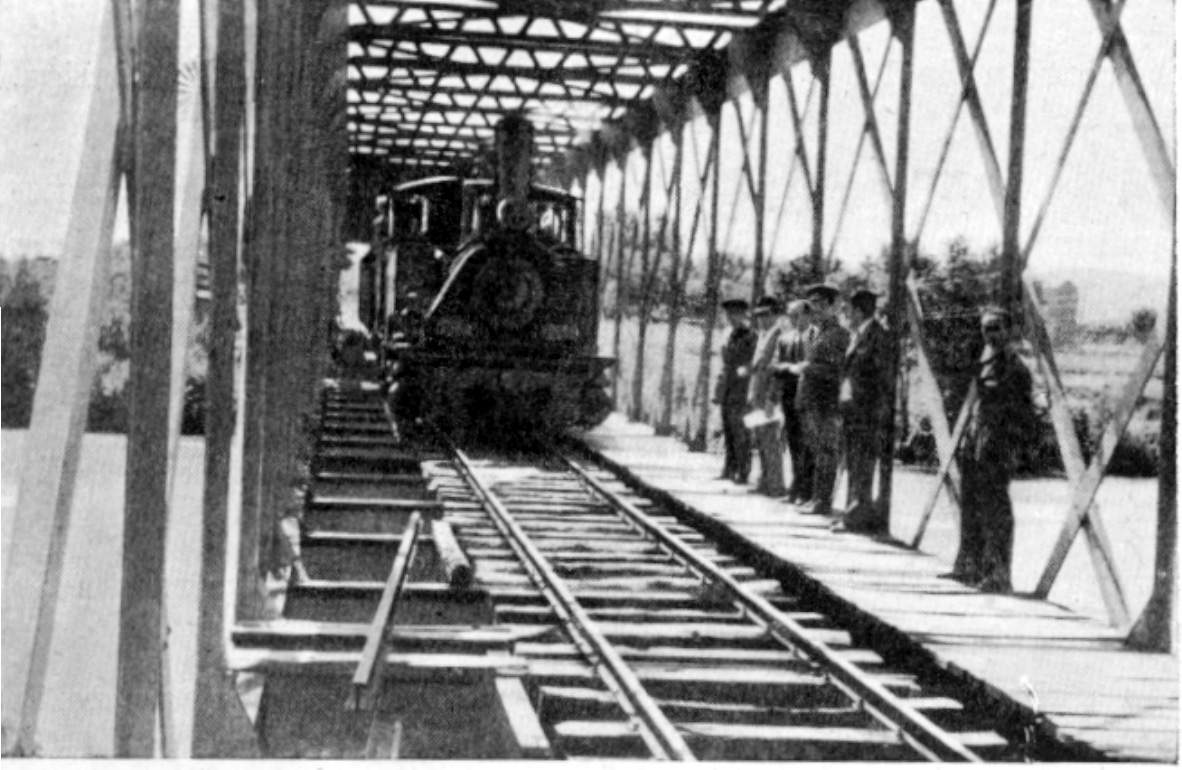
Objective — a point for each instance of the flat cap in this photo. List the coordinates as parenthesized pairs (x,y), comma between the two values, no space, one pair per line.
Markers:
(767,306)
(734,303)
(823,290)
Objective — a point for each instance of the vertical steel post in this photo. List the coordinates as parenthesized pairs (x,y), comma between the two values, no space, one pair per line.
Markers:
(821,70)
(259,267)
(146,495)
(676,303)
(903,28)
(219,722)
(646,205)
(1011,292)
(1155,629)
(713,281)
(621,235)
(760,91)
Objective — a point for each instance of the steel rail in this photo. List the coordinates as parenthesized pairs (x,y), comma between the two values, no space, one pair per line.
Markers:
(914,728)
(655,729)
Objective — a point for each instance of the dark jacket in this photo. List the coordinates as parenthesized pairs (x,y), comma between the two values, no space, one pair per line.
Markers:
(736,353)
(1003,420)
(819,383)
(866,377)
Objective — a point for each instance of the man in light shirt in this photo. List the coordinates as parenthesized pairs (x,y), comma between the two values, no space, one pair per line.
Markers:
(763,400)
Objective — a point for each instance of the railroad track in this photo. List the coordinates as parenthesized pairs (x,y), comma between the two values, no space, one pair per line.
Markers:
(448,604)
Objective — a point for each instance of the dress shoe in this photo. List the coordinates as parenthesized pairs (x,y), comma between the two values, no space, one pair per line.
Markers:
(992,585)
(960,577)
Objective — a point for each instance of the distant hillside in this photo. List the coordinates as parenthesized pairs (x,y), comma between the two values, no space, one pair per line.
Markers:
(1110,296)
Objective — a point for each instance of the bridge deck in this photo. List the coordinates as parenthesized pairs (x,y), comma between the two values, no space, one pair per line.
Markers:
(1120,703)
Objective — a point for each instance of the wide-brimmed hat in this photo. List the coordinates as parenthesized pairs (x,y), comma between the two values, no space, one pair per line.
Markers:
(823,290)
(734,303)
(766,306)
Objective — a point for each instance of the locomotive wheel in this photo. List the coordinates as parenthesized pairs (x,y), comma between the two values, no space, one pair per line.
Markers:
(509,293)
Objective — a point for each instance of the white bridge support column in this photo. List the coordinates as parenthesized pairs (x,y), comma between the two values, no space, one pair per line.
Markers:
(33,564)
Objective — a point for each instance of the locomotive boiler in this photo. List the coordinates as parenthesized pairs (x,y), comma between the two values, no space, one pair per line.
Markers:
(495,320)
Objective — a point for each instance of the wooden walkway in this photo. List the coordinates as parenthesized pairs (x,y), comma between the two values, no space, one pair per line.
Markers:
(1015,651)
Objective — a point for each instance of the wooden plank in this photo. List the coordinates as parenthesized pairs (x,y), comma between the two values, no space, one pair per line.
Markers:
(385,738)
(285,631)
(375,503)
(146,495)
(456,566)
(33,562)
(330,538)
(344,662)
(519,716)
(367,680)
(731,657)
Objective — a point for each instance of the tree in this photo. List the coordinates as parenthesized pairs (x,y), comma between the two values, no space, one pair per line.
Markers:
(25,318)
(1141,323)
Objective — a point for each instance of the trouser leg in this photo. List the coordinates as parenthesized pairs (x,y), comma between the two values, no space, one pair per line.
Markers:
(997,530)
(742,448)
(861,451)
(771,460)
(802,464)
(728,443)
(968,557)
(825,429)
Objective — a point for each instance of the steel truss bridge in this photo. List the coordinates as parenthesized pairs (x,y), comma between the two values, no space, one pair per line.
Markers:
(306,109)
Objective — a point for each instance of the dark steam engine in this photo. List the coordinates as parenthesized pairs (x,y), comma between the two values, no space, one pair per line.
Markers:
(507,343)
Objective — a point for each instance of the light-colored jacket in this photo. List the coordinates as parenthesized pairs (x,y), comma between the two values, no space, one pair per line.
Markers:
(765,389)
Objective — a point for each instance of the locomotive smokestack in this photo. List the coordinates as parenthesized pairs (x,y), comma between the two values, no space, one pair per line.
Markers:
(514,145)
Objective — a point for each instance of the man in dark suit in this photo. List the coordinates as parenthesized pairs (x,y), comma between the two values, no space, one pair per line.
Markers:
(999,425)
(731,393)
(864,412)
(816,394)
(793,345)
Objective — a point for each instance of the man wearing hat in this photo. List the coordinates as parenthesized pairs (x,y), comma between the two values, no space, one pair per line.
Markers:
(816,393)
(731,392)
(763,402)
(999,425)
(865,383)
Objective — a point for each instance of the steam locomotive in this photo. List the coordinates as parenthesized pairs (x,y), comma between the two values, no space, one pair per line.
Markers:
(491,312)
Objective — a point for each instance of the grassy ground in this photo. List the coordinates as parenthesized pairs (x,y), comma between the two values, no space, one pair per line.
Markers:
(78,711)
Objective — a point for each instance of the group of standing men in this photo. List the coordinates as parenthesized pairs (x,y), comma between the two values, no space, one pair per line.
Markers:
(802,379)
(795,376)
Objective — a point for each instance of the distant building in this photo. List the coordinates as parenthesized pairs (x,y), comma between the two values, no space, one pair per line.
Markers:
(1062,311)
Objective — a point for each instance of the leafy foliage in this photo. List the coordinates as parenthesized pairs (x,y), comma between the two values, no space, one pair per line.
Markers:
(26,314)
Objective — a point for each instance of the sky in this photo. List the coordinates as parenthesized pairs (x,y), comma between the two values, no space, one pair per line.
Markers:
(1105,215)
